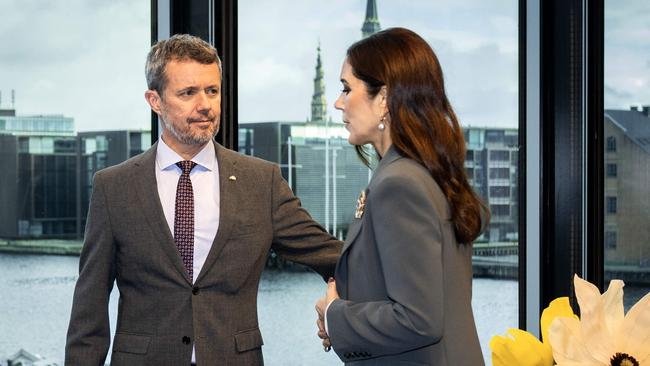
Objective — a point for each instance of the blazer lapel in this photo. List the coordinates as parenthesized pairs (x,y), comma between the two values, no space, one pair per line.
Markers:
(144,178)
(355,228)
(353,232)
(229,194)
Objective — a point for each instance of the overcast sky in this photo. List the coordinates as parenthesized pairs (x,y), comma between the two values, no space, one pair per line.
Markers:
(476,42)
(85,58)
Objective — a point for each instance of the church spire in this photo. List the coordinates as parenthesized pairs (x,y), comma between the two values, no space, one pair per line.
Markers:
(318,102)
(371,23)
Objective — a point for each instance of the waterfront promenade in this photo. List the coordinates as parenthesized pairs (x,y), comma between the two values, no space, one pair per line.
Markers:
(41,246)
(496,260)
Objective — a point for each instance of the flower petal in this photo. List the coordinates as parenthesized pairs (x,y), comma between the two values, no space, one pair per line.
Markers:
(519,348)
(568,343)
(559,307)
(600,317)
(634,335)
(613,310)
(587,294)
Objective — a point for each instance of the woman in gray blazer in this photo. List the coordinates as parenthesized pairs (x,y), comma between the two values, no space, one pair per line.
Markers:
(402,294)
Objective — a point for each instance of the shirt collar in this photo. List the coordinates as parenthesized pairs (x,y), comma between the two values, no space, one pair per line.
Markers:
(166,157)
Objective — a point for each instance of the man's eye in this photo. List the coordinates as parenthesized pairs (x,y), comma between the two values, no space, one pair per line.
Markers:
(214,91)
(187,93)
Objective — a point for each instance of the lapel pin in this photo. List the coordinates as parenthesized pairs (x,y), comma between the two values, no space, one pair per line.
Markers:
(232,177)
(361,205)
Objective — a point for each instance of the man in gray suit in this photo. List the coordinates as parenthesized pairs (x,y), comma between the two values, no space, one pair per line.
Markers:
(185,229)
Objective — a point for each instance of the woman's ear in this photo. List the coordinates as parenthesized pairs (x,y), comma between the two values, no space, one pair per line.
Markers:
(383,99)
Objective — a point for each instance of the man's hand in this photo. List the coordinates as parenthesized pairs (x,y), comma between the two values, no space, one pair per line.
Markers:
(321,305)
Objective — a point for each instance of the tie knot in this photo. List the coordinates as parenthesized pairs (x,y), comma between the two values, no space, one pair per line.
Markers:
(186,166)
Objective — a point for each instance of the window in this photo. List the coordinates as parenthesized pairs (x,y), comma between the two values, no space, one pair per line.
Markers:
(611,170)
(611,205)
(326,174)
(611,144)
(469,155)
(77,69)
(499,173)
(610,239)
(500,210)
(500,191)
(499,155)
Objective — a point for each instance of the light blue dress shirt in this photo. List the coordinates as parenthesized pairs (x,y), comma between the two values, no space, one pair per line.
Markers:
(205,185)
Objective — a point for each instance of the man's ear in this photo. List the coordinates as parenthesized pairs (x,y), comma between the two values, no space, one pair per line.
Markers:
(153,98)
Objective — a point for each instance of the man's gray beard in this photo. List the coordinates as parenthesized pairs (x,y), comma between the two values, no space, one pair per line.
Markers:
(189,139)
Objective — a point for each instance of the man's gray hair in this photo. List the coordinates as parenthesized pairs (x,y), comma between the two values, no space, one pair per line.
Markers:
(180,47)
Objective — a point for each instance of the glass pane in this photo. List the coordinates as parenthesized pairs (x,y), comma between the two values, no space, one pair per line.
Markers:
(627,147)
(288,81)
(71,84)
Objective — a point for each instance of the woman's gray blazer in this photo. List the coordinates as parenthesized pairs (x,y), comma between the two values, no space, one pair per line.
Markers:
(404,281)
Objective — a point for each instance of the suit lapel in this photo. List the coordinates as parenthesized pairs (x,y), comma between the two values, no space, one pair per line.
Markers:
(353,232)
(355,228)
(144,178)
(229,194)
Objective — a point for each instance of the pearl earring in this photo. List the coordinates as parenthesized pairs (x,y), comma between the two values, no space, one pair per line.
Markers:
(381,125)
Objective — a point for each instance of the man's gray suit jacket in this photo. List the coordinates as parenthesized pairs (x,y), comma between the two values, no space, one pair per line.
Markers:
(161,314)
(404,281)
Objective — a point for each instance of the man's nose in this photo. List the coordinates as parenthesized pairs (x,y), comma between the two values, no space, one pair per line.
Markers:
(203,103)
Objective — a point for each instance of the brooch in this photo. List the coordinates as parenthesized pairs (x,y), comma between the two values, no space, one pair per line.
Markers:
(361,205)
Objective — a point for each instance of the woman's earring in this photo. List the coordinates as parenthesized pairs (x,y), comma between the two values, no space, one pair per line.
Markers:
(381,125)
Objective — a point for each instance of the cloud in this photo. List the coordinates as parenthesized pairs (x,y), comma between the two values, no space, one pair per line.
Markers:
(85,58)
(476,43)
(627,49)
(76,58)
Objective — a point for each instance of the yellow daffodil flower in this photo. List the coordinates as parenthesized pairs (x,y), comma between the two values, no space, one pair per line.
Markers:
(521,348)
(605,335)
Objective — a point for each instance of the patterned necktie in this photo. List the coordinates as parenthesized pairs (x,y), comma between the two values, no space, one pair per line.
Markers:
(184,216)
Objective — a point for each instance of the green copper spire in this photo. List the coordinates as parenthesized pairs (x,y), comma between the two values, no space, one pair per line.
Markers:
(371,24)
(318,102)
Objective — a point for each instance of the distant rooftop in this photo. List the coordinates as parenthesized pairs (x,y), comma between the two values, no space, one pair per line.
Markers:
(37,124)
(634,123)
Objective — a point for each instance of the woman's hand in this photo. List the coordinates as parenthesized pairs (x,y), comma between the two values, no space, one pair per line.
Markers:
(321,305)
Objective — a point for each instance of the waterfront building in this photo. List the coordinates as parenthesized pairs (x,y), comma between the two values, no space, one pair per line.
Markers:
(626,177)
(101,149)
(47,172)
(26,358)
(491,164)
(39,179)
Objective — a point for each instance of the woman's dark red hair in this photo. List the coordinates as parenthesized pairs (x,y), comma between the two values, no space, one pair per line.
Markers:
(423,125)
